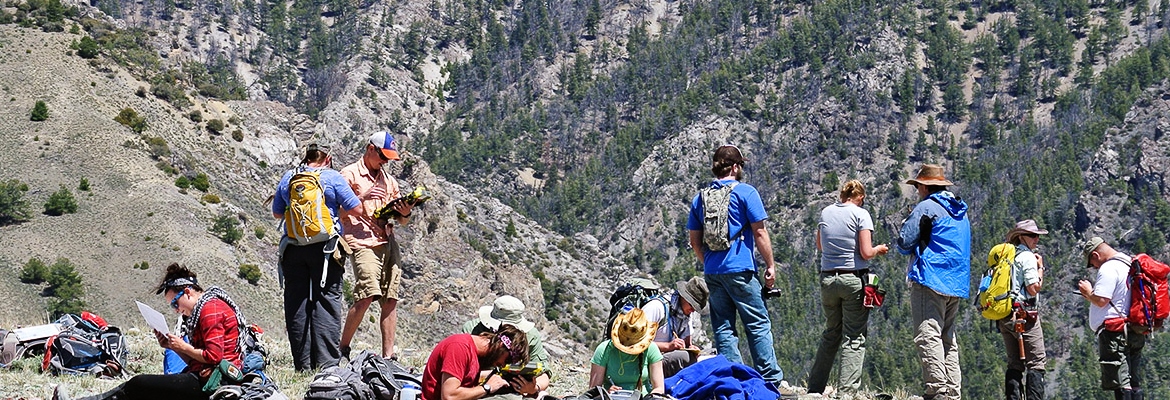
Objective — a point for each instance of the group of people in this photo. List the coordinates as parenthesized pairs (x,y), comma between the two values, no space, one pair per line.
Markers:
(646,345)
(937,238)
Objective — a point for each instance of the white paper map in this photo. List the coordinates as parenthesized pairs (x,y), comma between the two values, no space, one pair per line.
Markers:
(153,318)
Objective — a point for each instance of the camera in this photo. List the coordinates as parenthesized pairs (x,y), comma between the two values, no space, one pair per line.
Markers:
(770,292)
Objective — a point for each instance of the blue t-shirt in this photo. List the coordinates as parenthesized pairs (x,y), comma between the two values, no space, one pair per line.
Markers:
(745,208)
(337,193)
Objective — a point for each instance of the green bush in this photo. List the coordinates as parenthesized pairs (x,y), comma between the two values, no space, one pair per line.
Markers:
(130,118)
(182,182)
(227,229)
(158,147)
(201,182)
(211,198)
(13,207)
(142,265)
(215,126)
(40,112)
(259,232)
(61,202)
(195,116)
(34,271)
(250,272)
(87,48)
(238,135)
(84,185)
(65,284)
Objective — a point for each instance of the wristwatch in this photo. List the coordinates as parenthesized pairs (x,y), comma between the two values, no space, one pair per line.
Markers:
(487,389)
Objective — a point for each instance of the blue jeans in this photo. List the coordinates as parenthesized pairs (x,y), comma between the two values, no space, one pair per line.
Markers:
(740,292)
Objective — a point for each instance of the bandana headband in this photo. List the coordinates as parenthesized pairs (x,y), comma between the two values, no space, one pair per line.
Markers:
(177,282)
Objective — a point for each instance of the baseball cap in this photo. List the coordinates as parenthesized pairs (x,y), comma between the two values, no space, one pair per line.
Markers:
(385,142)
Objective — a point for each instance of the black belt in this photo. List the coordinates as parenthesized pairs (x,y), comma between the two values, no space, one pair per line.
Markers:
(858,272)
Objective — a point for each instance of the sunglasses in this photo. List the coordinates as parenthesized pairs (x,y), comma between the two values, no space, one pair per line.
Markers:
(175,301)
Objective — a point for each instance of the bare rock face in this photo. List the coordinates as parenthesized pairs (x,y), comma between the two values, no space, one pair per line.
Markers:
(1127,177)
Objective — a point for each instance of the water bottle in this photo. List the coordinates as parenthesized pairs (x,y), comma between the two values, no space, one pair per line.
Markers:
(409,391)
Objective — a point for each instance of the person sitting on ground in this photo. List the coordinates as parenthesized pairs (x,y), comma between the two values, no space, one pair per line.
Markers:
(452,369)
(673,337)
(508,310)
(213,326)
(627,361)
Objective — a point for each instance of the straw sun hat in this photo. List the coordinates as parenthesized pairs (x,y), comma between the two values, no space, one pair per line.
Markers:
(632,333)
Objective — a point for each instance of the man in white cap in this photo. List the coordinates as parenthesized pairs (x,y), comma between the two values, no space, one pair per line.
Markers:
(376,257)
(673,316)
(510,310)
(1027,277)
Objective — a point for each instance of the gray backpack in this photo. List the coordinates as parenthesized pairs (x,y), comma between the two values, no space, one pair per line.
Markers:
(338,383)
(716,203)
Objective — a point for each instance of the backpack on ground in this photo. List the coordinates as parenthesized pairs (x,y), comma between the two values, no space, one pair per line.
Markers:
(632,294)
(1149,298)
(8,345)
(716,230)
(307,219)
(255,356)
(85,346)
(386,378)
(338,383)
(995,297)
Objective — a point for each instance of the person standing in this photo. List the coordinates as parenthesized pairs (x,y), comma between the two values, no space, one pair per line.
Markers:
(845,238)
(312,272)
(1119,345)
(376,256)
(673,316)
(731,273)
(1027,278)
(937,236)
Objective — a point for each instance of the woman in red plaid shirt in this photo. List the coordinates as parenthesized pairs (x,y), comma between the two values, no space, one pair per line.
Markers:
(212,321)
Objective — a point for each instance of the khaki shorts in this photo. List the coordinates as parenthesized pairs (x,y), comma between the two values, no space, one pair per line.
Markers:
(377,272)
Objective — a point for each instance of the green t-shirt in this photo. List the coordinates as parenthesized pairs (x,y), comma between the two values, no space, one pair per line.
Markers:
(536,351)
(621,369)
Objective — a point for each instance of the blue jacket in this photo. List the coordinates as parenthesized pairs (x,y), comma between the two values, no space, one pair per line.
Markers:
(941,258)
(717,379)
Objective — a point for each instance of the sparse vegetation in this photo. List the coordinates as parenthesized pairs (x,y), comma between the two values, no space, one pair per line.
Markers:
(215,126)
(201,182)
(227,228)
(210,198)
(182,182)
(13,207)
(35,271)
(142,265)
(83,185)
(61,202)
(250,272)
(259,232)
(65,285)
(88,48)
(40,112)
(130,118)
(238,135)
(195,116)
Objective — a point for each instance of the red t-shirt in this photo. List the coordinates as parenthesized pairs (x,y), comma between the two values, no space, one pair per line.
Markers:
(454,355)
(217,335)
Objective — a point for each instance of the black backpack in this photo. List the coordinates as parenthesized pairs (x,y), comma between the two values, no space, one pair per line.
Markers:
(84,348)
(385,377)
(632,294)
(338,383)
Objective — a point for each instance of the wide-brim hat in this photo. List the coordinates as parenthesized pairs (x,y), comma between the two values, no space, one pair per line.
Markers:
(1025,227)
(632,333)
(505,310)
(930,175)
(695,292)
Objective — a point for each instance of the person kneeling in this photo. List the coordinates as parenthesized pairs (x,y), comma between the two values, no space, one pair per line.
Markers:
(452,370)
